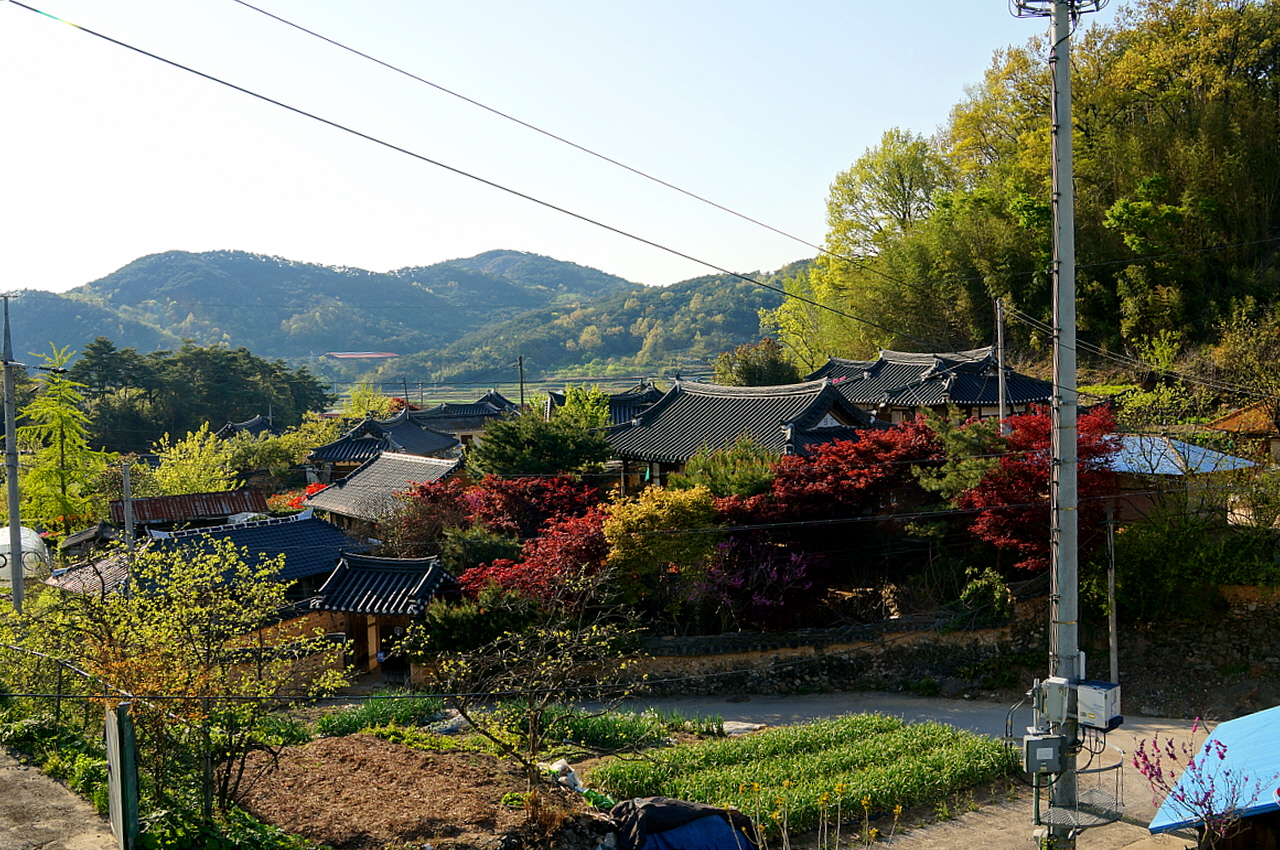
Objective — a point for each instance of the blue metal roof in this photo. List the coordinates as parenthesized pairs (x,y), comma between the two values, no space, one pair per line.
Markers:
(1251,760)
(1151,454)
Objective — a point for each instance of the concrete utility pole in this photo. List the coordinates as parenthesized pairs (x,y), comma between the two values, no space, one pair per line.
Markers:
(1064,645)
(16,567)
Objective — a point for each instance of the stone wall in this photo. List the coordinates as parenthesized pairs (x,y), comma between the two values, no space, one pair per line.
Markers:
(1173,667)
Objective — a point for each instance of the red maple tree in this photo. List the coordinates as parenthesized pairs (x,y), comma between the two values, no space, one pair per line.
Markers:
(1012,500)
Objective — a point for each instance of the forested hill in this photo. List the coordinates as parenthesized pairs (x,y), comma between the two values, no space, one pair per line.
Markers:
(454,320)
(281,308)
(645,330)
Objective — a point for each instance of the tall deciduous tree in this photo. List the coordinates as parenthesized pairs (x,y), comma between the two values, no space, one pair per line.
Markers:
(198,463)
(760,364)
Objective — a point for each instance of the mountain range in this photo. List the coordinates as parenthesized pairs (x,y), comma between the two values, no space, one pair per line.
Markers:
(453,320)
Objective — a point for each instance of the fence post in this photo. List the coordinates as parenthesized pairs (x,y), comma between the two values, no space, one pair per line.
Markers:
(122,776)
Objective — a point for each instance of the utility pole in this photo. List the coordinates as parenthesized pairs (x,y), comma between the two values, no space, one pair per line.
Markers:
(16,566)
(1064,639)
(520,363)
(1000,376)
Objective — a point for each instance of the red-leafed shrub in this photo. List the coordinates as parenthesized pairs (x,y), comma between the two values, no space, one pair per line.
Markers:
(568,549)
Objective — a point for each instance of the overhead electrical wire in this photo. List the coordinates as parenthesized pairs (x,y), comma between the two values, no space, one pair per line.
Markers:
(477,178)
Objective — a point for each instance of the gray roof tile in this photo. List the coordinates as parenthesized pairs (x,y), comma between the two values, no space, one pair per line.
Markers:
(369,492)
(782,419)
(391,586)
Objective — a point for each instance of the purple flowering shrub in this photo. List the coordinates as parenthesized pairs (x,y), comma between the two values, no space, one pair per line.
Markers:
(1196,779)
(752,584)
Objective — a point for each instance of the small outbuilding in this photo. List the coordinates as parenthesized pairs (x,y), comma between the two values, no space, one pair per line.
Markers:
(1238,771)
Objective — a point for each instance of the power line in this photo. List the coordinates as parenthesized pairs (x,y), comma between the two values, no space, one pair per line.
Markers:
(482,180)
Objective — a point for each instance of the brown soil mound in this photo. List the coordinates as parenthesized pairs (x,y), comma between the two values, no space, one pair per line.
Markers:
(360,792)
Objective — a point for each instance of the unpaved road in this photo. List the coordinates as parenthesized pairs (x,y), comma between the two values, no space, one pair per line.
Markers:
(37,813)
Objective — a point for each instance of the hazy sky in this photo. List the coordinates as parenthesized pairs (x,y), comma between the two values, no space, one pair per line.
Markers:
(108,155)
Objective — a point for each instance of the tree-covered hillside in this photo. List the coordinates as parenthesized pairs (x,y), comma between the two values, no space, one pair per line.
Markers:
(293,310)
(1177,158)
(645,330)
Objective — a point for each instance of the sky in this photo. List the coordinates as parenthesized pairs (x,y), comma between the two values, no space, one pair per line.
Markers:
(108,155)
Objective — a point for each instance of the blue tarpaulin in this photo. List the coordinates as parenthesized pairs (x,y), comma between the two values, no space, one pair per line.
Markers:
(1251,761)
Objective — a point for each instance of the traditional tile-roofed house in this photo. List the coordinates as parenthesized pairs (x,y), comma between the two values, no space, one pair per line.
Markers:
(192,508)
(900,384)
(311,548)
(623,407)
(401,433)
(467,421)
(785,419)
(369,493)
(1257,424)
(373,597)
(256,426)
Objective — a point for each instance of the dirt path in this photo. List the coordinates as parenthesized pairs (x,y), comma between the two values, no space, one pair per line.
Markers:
(38,813)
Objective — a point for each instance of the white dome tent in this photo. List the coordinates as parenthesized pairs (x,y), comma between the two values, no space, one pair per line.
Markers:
(35,555)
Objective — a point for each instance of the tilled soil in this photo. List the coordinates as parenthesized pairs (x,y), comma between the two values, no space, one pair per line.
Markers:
(360,792)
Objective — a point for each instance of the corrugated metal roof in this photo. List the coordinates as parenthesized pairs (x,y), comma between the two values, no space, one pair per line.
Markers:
(389,586)
(692,415)
(1251,760)
(1152,454)
(1257,418)
(369,492)
(191,506)
(905,379)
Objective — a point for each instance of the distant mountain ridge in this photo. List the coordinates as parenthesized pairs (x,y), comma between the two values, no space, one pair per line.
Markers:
(438,316)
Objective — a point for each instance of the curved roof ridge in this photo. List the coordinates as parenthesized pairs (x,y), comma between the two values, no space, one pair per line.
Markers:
(725,390)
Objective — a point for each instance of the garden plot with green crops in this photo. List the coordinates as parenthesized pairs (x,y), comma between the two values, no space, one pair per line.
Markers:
(805,775)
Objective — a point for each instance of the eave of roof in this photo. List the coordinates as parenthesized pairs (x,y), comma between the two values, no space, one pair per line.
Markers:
(386,586)
(693,415)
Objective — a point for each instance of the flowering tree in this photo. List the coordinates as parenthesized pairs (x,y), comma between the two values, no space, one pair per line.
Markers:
(1198,782)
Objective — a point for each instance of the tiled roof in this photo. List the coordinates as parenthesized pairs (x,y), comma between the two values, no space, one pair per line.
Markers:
(903,379)
(1152,454)
(400,433)
(690,415)
(255,426)
(311,546)
(392,586)
(191,506)
(368,492)
(500,402)
(100,577)
(623,407)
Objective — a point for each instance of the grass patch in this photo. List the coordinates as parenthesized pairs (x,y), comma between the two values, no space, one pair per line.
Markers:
(605,730)
(398,711)
(802,775)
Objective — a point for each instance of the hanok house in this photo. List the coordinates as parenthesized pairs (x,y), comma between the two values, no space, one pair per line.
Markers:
(467,421)
(374,601)
(1237,771)
(623,407)
(1155,473)
(400,434)
(364,497)
(898,385)
(1253,428)
(784,420)
(257,426)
